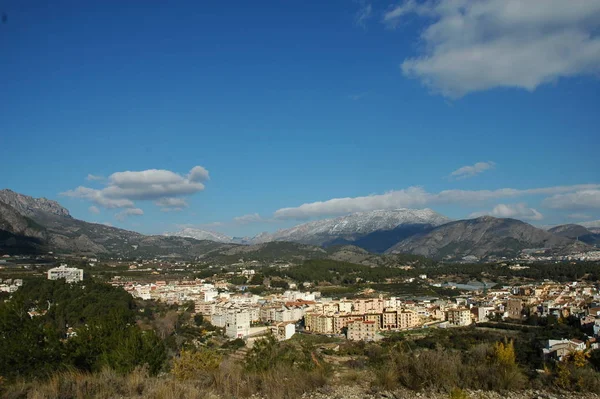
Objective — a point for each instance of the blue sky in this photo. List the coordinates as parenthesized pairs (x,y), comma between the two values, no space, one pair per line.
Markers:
(286,106)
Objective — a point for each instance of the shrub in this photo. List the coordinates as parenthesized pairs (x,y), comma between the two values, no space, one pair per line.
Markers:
(234,345)
(386,378)
(268,353)
(458,393)
(483,367)
(198,365)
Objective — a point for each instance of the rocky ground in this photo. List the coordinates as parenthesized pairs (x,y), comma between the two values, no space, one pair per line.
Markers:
(356,392)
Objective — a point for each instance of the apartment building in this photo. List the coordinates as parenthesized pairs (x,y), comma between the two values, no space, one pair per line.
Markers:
(324,325)
(205,308)
(283,331)
(70,274)
(237,324)
(341,321)
(408,319)
(514,308)
(374,317)
(319,323)
(483,313)
(459,317)
(362,331)
(390,320)
(371,305)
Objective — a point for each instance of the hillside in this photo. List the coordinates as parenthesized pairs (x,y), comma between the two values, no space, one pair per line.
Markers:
(30,224)
(283,251)
(576,232)
(18,233)
(481,237)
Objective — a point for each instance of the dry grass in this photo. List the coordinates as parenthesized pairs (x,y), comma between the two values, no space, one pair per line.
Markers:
(105,384)
(230,380)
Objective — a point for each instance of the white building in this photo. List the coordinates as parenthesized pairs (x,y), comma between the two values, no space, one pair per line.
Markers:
(70,274)
(559,348)
(283,331)
(218,320)
(237,325)
(483,312)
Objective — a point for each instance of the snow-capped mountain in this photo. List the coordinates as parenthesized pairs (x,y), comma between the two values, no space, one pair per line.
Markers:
(201,235)
(349,228)
(375,230)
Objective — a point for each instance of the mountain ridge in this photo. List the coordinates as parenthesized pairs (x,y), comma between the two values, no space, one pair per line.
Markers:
(30,206)
(481,237)
(576,232)
(56,230)
(355,225)
(354,229)
(199,234)
(389,232)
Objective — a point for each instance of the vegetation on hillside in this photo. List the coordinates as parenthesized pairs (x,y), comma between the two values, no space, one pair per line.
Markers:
(53,325)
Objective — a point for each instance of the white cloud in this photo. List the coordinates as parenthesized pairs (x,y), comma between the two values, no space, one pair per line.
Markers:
(97,197)
(580,216)
(414,197)
(198,173)
(162,186)
(392,17)
(584,199)
(143,178)
(411,197)
(153,184)
(94,209)
(171,204)
(129,212)
(92,177)
(109,224)
(363,14)
(472,170)
(518,211)
(251,218)
(474,45)
(591,224)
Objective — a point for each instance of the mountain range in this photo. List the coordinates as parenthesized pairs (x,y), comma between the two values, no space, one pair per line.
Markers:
(36,225)
(374,231)
(482,237)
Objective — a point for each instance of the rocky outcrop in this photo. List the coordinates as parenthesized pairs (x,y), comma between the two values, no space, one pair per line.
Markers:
(32,207)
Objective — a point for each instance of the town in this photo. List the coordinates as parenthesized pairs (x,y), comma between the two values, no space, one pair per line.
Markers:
(366,316)
(246,315)
(546,312)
